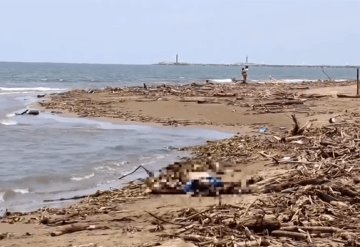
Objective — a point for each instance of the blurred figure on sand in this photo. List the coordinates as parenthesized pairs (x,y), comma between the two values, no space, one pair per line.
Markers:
(244,73)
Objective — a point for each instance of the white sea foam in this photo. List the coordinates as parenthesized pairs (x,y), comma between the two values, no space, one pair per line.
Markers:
(22,191)
(124,162)
(2,196)
(160,156)
(294,80)
(83,178)
(221,80)
(29,89)
(273,80)
(104,168)
(8,122)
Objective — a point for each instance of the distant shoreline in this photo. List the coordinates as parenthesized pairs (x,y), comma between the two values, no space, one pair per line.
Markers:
(197,64)
(261,65)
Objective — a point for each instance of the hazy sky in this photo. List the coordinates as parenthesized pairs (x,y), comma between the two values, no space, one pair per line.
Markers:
(204,31)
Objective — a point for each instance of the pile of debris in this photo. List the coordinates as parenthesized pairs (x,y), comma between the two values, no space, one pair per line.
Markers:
(316,201)
(258,98)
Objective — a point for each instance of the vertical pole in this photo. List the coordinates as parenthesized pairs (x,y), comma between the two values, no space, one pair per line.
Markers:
(357,81)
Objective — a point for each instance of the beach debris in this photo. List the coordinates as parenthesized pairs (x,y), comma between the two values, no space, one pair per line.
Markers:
(312,200)
(178,242)
(204,186)
(87,245)
(339,95)
(256,98)
(66,199)
(332,120)
(6,235)
(149,173)
(297,130)
(264,130)
(316,202)
(76,228)
(41,95)
(28,112)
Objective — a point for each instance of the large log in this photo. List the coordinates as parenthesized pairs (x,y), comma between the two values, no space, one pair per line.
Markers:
(322,229)
(339,95)
(295,235)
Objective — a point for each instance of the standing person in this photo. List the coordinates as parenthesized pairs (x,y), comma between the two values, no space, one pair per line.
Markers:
(244,73)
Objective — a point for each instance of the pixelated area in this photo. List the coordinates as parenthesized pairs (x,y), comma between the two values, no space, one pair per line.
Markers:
(184,179)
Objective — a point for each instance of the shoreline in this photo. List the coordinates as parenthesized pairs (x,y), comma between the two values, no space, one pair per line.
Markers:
(67,114)
(248,155)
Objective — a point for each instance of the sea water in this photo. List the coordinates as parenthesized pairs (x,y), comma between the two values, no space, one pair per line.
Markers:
(48,156)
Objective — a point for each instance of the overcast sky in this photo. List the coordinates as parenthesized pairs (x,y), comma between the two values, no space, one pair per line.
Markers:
(200,31)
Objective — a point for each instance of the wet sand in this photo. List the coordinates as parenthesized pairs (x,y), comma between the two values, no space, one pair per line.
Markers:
(120,217)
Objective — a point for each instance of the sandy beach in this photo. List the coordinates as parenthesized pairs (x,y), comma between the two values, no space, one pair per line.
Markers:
(283,185)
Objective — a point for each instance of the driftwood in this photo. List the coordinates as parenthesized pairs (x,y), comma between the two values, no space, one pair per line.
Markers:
(165,221)
(314,96)
(76,228)
(297,130)
(150,174)
(224,94)
(296,235)
(260,223)
(253,243)
(322,229)
(66,199)
(96,194)
(289,102)
(29,112)
(339,95)
(57,221)
(209,241)
(283,186)
(316,201)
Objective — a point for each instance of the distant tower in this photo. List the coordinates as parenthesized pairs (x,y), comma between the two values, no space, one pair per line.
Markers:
(247,60)
(177,59)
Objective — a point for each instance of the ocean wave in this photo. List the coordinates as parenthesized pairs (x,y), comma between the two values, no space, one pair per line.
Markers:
(8,122)
(124,162)
(29,89)
(83,178)
(11,193)
(22,191)
(104,169)
(273,80)
(220,80)
(10,115)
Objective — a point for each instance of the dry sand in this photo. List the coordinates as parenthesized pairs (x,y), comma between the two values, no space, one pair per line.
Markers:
(235,108)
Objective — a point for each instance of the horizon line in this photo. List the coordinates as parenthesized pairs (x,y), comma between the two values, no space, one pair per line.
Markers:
(186,63)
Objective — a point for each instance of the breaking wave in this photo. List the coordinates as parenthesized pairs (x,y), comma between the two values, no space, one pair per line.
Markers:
(31,89)
(83,178)
(8,122)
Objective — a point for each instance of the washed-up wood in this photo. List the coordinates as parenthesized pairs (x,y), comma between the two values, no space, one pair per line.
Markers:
(76,228)
(259,223)
(339,95)
(289,102)
(295,235)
